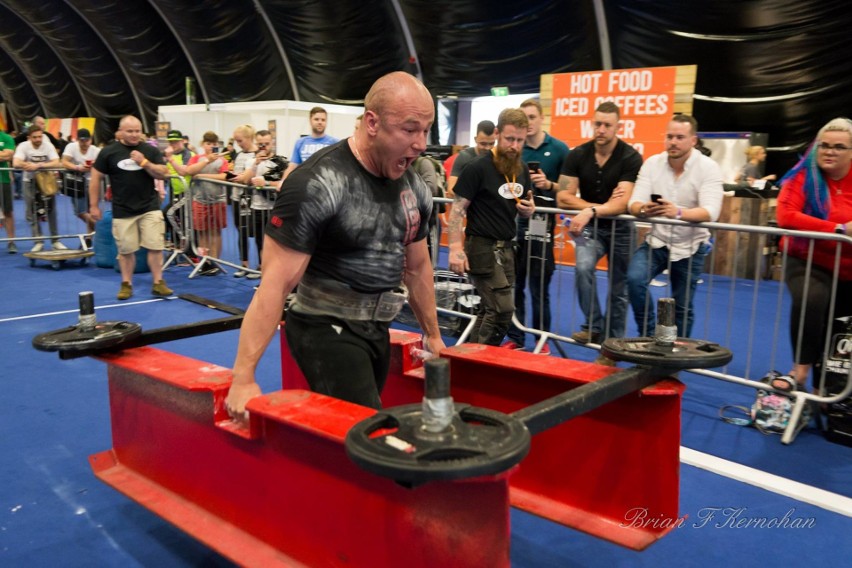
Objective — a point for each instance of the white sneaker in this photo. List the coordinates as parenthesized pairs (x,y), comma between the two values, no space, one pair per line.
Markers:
(38,247)
(240,273)
(252,276)
(59,246)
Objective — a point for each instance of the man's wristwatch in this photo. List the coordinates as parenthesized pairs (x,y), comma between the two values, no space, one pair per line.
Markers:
(840,229)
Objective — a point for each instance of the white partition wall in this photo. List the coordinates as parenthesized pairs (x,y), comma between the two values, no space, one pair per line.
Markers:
(292,119)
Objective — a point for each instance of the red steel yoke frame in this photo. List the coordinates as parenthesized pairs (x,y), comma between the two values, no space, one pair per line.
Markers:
(594,473)
(283,492)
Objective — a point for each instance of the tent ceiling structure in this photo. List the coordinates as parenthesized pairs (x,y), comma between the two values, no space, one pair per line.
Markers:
(776,66)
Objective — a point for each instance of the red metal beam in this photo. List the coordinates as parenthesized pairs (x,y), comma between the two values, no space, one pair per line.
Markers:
(283,492)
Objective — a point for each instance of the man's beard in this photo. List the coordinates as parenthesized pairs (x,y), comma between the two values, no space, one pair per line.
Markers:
(506,164)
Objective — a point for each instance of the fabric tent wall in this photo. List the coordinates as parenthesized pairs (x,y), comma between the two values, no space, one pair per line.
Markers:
(776,66)
(779,66)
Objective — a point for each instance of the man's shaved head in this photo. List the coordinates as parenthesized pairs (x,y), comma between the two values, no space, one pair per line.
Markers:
(391,87)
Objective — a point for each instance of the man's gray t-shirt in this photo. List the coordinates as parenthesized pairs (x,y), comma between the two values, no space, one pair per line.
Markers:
(354,225)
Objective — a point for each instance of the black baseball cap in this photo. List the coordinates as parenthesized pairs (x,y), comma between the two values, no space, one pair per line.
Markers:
(84,134)
(174,135)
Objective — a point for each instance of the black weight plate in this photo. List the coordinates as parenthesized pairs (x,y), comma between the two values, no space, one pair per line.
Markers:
(683,354)
(103,335)
(479,442)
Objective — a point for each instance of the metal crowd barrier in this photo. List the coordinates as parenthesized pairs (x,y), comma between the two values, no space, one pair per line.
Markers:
(742,284)
(741,301)
(236,243)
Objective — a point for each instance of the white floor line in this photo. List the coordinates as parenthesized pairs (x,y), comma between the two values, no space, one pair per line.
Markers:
(801,492)
(77,311)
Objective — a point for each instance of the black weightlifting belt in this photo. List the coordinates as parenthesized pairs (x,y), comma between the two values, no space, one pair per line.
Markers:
(320,296)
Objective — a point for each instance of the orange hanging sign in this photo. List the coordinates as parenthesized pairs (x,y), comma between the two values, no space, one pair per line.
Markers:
(645,97)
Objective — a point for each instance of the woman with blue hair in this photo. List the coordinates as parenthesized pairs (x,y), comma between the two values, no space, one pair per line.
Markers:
(816,195)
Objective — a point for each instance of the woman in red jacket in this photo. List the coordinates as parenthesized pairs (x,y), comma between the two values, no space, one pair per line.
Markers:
(816,195)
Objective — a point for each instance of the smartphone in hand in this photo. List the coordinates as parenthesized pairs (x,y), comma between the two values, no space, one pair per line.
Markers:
(656,197)
(534,166)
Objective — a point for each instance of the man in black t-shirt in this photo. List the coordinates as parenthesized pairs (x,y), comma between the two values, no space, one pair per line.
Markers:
(486,135)
(489,192)
(132,166)
(597,178)
(349,228)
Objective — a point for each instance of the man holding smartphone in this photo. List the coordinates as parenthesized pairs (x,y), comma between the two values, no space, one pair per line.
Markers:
(597,178)
(687,186)
(209,200)
(268,170)
(534,258)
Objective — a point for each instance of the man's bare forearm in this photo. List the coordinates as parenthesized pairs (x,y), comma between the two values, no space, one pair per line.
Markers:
(456,220)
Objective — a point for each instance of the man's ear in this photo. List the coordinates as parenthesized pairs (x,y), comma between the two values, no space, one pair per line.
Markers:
(370,122)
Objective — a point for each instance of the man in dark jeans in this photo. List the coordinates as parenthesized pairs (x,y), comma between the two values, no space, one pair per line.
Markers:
(597,178)
(680,183)
(489,191)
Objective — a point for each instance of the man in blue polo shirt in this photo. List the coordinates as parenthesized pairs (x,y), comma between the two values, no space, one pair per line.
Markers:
(307,145)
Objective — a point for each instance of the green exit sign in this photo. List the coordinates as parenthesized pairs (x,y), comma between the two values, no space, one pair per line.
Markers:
(499,91)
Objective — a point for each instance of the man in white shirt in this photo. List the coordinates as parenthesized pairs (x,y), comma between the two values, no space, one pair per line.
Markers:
(680,183)
(35,154)
(78,158)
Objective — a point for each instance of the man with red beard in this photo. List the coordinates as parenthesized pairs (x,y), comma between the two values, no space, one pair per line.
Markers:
(489,192)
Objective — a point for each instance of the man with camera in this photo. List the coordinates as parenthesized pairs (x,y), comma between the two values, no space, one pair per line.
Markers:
(597,178)
(543,155)
(680,183)
(268,170)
